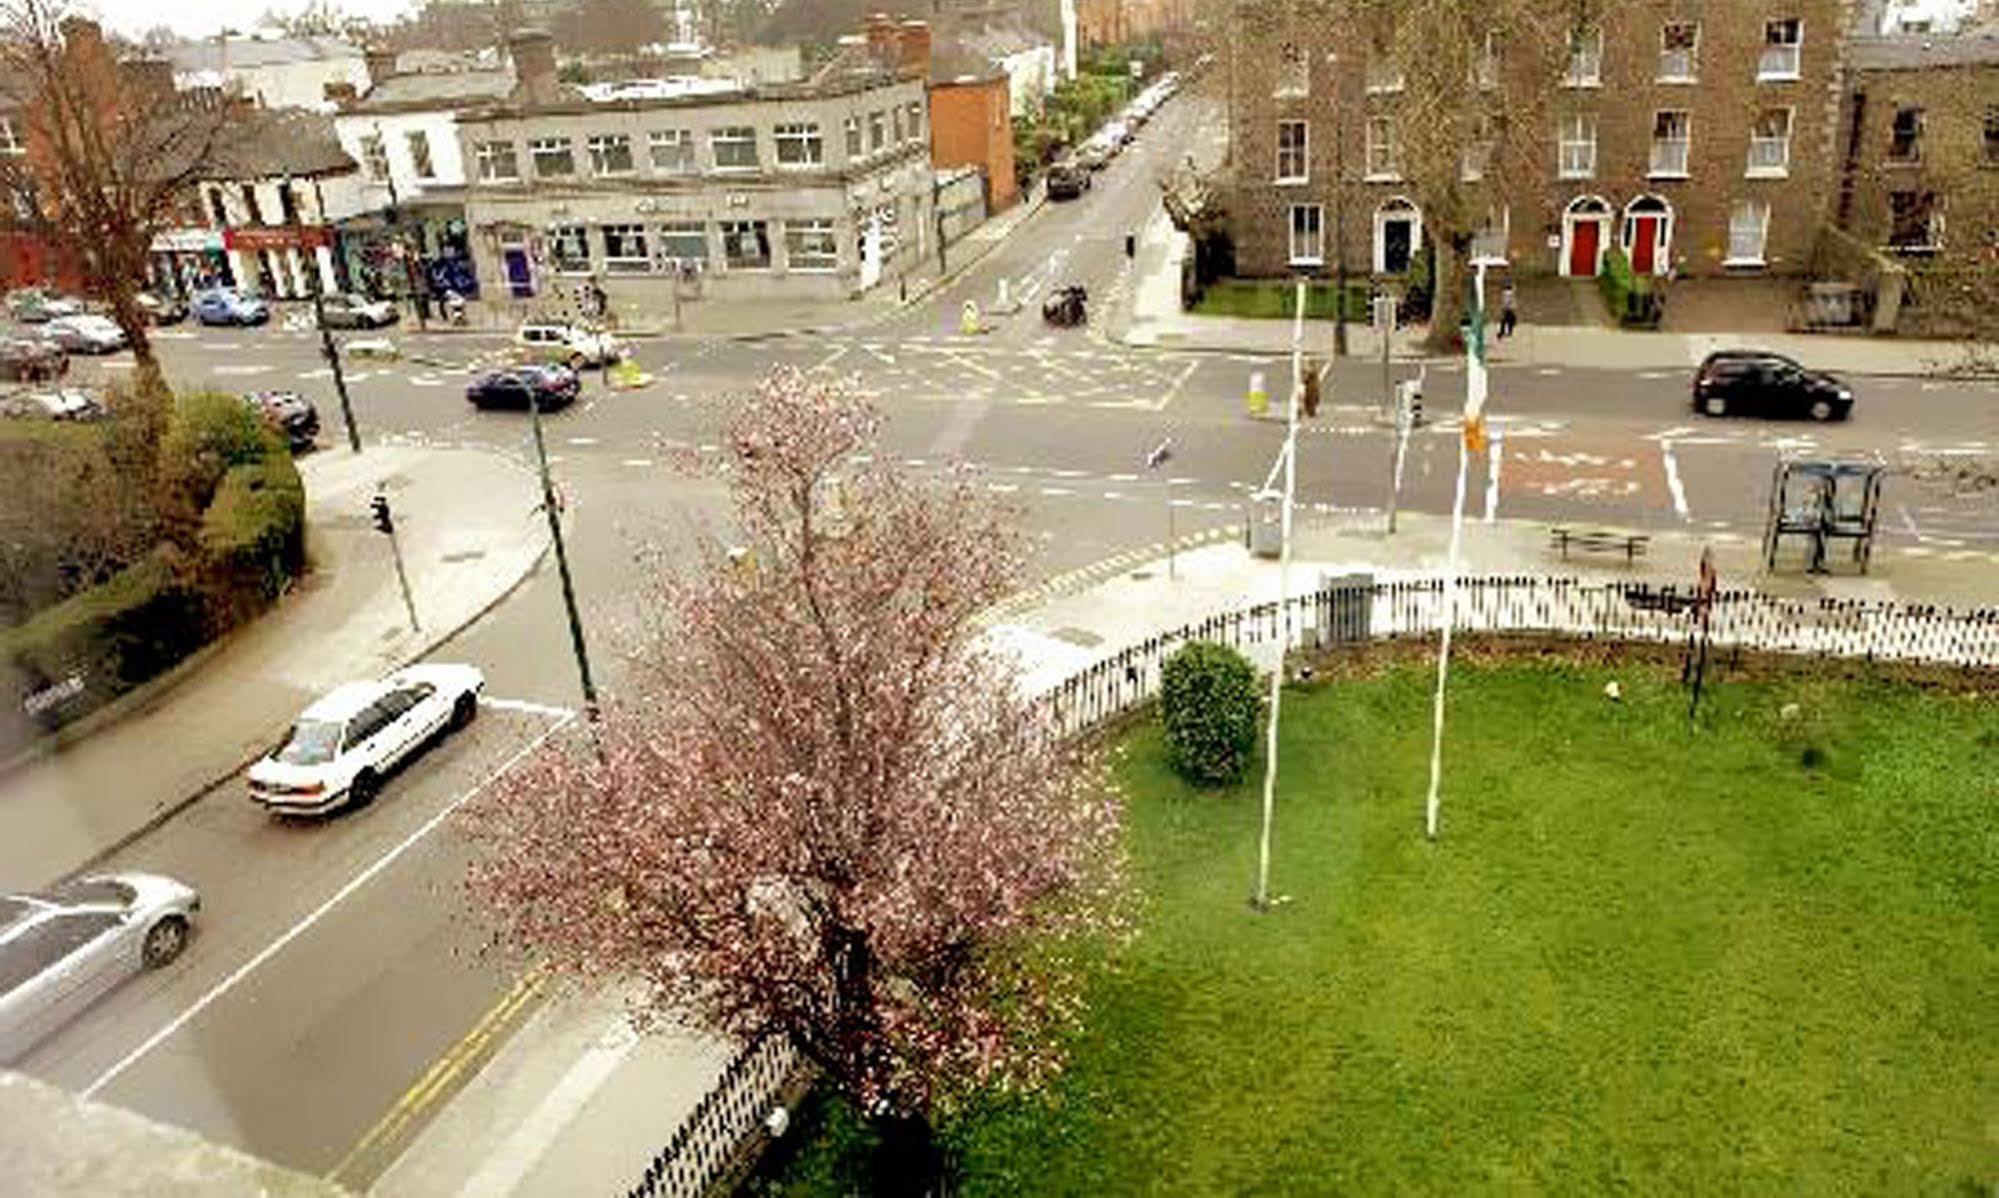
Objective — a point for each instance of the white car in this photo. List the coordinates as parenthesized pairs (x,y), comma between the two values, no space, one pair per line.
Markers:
(340,748)
(86,334)
(568,345)
(63,948)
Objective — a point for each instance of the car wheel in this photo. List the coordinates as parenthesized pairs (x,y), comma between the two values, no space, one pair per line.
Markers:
(1715,405)
(363,789)
(1821,410)
(464,710)
(164,942)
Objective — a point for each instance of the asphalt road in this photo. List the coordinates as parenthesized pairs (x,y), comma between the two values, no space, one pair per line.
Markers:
(336,985)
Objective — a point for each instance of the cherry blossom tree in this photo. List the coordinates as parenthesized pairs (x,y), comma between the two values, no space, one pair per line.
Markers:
(822,809)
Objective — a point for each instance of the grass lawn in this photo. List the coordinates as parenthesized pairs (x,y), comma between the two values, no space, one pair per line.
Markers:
(1635,960)
(1274,299)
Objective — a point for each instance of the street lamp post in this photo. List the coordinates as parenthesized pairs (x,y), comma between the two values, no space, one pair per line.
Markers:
(328,349)
(1339,223)
(548,506)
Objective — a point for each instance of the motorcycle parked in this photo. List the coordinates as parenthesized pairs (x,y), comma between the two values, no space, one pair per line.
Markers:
(1066,308)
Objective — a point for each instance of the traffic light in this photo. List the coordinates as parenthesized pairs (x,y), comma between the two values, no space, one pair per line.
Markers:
(384,522)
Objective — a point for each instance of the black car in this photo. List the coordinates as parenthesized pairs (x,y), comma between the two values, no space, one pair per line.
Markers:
(1067,181)
(551,386)
(1754,382)
(32,360)
(289,414)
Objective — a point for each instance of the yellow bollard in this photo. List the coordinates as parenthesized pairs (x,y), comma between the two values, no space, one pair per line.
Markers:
(968,324)
(1259,398)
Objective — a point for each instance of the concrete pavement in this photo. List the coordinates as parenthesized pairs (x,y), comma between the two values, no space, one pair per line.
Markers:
(469,534)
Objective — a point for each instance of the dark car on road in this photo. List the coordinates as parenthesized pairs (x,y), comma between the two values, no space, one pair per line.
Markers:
(289,414)
(551,387)
(1067,181)
(32,360)
(1751,382)
(160,308)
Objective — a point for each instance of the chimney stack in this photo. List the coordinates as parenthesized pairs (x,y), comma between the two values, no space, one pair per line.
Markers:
(914,61)
(381,65)
(533,54)
(148,77)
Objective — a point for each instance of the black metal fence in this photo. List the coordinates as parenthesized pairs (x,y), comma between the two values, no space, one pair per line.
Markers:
(1355,610)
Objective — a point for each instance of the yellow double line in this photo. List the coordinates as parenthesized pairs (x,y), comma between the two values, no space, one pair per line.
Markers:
(376,1150)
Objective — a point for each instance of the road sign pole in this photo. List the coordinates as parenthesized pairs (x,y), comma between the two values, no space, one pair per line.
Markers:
(548,506)
(403,579)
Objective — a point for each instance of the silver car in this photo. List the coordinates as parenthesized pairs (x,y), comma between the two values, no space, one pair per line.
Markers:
(63,948)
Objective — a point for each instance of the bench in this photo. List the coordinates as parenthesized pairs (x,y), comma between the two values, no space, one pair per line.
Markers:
(1598,540)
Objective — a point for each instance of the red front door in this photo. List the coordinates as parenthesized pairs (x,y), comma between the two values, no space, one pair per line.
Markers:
(1582,248)
(1644,244)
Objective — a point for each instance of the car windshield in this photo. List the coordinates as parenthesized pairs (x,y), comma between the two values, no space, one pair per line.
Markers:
(92,892)
(310,742)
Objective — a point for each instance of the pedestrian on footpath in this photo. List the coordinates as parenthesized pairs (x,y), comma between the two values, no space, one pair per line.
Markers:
(1507,316)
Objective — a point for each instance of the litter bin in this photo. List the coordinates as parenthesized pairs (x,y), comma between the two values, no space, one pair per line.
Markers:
(1266,523)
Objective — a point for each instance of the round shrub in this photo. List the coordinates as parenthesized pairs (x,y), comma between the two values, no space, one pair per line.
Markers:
(1209,703)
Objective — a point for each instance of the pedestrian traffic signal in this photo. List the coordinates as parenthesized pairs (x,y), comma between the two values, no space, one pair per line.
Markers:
(384,522)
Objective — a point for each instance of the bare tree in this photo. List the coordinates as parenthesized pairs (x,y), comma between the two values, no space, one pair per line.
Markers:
(826,813)
(109,157)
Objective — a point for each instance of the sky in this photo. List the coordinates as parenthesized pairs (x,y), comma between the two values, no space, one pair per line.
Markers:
(203,18)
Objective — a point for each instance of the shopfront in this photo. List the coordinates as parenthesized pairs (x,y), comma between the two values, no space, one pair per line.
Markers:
(274,260)
(185,261)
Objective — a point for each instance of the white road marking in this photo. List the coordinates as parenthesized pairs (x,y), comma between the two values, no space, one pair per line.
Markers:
(1113,495)
(314,916)
(1673,484)
(239,369)
(1124,478)
(528,706)
(1056,491)
(636,462)
(583,440)
(1004,488)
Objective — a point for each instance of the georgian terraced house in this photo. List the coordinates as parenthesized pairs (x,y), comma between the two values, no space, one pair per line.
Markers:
(1698,136)
(817,189)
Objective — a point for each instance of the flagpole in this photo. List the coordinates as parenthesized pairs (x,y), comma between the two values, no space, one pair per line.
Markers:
(1261,899)
(1472,439)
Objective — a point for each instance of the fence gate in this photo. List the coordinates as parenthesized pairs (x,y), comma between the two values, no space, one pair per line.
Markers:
(1346,608)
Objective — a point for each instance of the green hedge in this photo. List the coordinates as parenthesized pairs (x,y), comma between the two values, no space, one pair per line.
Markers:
(1274,299)
(1209,704)
(253,537)
(1633,299)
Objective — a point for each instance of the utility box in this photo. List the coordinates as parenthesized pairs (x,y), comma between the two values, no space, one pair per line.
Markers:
(1346,608)
(1266,524)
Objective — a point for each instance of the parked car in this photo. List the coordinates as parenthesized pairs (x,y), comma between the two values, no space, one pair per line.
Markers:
(574,347)
(86,334)
(63,948)
(32,360)
(288,413)
(551,386)
(343,310)
(1119,134)
(226,305)
(62,404)
(1096,153)
(32,305)
(1753,382)
(1068,181)
(161,309)
(340,748)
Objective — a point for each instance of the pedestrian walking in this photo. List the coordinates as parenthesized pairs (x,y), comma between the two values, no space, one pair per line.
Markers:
(1508,317)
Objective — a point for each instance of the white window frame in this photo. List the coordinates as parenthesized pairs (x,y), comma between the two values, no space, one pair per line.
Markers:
(677,230)
(732,136)
(802,138)
(1298,156)
(679,149)
(417,143)
(487,154)
(1575,143)
(1584,67)
(824,258)
(1384,75)
(11,141)
(1770,157)
(1485,71)
(1689,71)
(916,120)
(855,146)
(1671,156)
(877,131)
(600,147)
(1934,228)
(627,263)
(1314,228)
(1777,61)
(746,228)
(1915,157)
(1491,242)
(574,235)
(1748,218)
(1383,160)
(539,146)
(1476,154)
(375,157)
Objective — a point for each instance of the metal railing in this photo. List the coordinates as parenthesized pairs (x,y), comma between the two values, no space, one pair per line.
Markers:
(705,1145)
(709,1141)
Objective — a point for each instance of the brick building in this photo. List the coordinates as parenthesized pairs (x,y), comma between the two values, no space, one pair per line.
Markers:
(970,126)
(1697,137)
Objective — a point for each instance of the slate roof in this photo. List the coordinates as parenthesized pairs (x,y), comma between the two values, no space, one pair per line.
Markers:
(440,89)
(1916,52)
(265,143)
(191,57)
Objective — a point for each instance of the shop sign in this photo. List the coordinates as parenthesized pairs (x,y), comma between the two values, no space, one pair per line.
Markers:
(276,237)
(186,241)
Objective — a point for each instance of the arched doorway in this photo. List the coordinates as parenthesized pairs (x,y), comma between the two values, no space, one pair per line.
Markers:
(1398,230)
(1585,235)
(1648,235)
